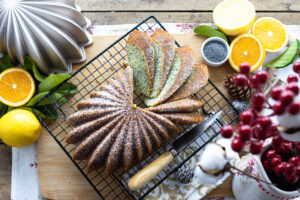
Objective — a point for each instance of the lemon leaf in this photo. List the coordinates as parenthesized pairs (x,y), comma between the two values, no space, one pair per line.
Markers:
(52,81)
(36,98)
(55,97)
(48,111)
(3,109)
(296,55)
(30,65)
(209,31)
(37,75)
(286,57)
(6,61)
(28,62)
(67,88)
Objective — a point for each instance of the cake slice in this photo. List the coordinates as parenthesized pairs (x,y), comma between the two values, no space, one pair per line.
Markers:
(86,147)
(164,49)
(84,130)
(140,53)
(107,149)
(83,116)
(112,90)
(184,118)
(105,95)
(98,103)
(158,68)
(195,82)
(126,78)
(191,104)
(182,67)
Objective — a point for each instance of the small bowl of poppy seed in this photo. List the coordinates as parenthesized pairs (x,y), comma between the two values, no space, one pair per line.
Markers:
(215,51)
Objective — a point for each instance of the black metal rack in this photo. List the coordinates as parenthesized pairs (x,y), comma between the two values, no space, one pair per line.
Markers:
(95,73)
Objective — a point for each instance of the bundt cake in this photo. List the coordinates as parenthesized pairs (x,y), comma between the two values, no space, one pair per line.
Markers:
(110,131)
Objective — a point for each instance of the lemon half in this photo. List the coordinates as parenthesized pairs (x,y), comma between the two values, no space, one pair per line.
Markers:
(234,17)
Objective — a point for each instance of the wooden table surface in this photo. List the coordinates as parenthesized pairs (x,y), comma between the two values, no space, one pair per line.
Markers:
(132,11)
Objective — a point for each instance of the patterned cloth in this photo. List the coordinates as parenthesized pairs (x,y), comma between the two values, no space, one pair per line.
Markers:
(24,184)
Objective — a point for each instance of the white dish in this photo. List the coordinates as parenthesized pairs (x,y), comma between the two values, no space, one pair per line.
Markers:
(217,39)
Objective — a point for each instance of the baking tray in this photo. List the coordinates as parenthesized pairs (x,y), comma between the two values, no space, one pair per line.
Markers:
(97,72)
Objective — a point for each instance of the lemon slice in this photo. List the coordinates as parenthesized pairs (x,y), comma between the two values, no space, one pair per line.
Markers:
(234,17)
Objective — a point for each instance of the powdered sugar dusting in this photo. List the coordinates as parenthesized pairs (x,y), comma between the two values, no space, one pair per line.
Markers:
(198,81)
(185,105)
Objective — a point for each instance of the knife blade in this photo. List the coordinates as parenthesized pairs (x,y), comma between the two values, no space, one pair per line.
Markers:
(191,135)
(147,173)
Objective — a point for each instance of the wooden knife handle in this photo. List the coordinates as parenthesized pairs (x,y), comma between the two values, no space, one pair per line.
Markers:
(146,174)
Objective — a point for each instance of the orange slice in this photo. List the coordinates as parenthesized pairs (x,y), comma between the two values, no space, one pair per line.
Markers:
(271,33)
(246,48)
(16,87)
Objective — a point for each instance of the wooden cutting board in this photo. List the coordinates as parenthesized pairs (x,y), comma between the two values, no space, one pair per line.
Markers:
(59,179)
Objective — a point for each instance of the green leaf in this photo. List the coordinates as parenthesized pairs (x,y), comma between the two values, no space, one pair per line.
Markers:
(3,67)
(52,81)
(36,98)
(48,111)
(209,31)
(67,88)
(3,109)
(37,75)
(56,97)
(28,63)
(286,57)
(10,108)
(296,55)
(6,61)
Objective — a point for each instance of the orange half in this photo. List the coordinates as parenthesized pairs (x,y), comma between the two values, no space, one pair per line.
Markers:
(271,33)
(17,87)
(246,48)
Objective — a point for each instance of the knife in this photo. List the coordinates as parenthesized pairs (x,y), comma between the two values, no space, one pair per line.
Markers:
(150,171)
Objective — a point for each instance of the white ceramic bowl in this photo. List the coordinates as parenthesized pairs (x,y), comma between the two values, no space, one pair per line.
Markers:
(217,39)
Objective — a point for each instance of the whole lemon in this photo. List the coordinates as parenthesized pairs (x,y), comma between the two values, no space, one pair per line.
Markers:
(19,128)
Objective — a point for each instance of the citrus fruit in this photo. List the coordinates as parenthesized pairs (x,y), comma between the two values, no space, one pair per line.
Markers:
(234,17)
(16,87)
(246,48)
(19,128)
(271,33)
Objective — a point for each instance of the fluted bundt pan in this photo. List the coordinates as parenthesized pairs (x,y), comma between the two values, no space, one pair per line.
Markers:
(53,33)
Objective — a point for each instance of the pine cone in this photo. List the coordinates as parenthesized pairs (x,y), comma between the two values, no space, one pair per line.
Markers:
(240,93)
(184,174)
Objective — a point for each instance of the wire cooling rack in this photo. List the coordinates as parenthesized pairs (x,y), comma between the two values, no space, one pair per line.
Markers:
(97,72)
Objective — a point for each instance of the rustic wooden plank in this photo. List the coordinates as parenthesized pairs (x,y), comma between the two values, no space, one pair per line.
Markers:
(5,171)
(179,5)
(110,18)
